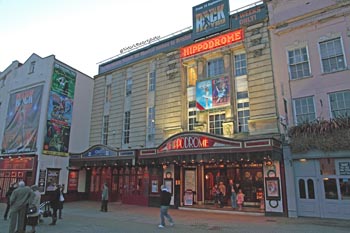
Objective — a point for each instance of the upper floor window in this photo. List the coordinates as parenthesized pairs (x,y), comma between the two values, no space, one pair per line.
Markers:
(108,93)
(126,129)
(240,64)
(152,76)
(340,104)
(192,115)
(298,61)
(332,55)
(32,67)
(191,76)
(152,81)
(304,109)
(215,123)
(215,67)
(128,87)
(105,130)
(151,124)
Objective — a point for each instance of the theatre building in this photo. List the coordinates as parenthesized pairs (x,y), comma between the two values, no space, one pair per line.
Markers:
(191,110)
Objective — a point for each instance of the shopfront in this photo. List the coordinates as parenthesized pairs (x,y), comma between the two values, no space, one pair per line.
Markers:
(101,164)
(15,168)
(191,163)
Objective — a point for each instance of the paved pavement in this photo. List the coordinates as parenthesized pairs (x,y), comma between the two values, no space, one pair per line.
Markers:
(85,217)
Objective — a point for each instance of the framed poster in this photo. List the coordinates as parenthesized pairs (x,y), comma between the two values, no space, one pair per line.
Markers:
(169,185)
(154,187)
(272,185)
(53,176)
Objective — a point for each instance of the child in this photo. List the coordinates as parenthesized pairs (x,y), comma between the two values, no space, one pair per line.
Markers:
(240,199)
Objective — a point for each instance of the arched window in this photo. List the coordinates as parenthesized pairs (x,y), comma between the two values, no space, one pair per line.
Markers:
(311,189)
(302,191)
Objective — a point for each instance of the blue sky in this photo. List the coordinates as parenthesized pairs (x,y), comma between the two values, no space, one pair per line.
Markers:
(82,33)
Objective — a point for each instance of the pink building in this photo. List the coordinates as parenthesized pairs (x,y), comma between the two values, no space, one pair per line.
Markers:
(310,42)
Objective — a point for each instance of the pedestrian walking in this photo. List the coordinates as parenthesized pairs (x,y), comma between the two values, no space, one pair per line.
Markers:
(165,198)
(8,196)
(104,199)
(60,207)
(19,200)
(54,203)
(33,218)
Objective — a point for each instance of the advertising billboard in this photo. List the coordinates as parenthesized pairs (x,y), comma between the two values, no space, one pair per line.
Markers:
(210,17)
(60,110)
(22,121)
(213,93)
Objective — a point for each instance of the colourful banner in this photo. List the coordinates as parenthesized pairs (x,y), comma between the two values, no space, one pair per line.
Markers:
(60,110)
(22,121)
(213,93)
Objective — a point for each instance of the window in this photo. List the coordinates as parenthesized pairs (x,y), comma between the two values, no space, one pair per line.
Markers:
(215,67)
(243,114)
(340,104)
(105,130)
(152,81)
(192,115)
(311,189)
(128,87)
(151,124)
(215,123)
(304,110)
(302,191)
(330,188)
(298,61)
(240,64)
(243,109)
(332,55)
(32,67)
(191,76)
(126,131)
(108,93)
(344,188)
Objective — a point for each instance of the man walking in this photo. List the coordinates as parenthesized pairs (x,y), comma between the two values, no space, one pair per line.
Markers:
(165,198)
(19,200)
(104,198)
(8,196)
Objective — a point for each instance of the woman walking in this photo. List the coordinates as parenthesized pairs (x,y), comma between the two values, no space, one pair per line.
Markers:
(32,219)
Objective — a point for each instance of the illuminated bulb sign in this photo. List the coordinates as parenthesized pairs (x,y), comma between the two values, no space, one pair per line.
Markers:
(188,142)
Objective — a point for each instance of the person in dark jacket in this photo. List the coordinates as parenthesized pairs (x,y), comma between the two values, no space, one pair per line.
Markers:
(165,198)
(104,198)
(55,204)
(8,196)
(61,188)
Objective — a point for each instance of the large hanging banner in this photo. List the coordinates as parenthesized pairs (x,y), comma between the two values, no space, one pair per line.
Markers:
(60,110)
(22,121)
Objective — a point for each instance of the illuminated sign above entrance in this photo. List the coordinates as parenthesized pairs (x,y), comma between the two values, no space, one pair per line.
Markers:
(210,17)
(189,143)
(196,141)
(213,43)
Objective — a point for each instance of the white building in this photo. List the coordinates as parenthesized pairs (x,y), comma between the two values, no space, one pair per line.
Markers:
(45,108)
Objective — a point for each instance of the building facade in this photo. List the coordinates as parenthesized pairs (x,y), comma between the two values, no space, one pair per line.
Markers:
(40,106)
(310,49)
(189,111)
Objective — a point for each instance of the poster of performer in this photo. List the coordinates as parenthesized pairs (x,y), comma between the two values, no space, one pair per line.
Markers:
(221,91)
(204,98)
(60,110)
(22,121)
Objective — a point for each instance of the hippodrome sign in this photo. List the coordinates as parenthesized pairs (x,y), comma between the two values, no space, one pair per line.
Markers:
(212,43)
(189,142)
